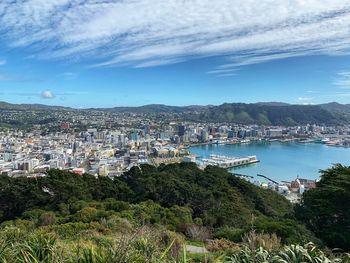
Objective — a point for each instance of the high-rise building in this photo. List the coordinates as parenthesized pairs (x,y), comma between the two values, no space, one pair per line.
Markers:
(231,134)
(204,136)
(181,130)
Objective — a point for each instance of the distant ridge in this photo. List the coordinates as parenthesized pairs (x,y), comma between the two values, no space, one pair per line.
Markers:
(336,107)
(273,103)
(270,114)
(262,113)
(10,106)
(157,108)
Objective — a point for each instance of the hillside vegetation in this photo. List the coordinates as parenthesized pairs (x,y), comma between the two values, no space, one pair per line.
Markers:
(148,215)
(264,114)
(326,209)
(254,113)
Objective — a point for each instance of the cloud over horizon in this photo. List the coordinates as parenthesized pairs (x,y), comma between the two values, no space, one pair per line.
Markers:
(47,94)
(343,80)
(146,33)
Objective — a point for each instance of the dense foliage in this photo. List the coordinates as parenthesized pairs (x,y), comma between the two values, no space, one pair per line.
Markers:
(147,214)
(178,196)
(326,209)
(21,244)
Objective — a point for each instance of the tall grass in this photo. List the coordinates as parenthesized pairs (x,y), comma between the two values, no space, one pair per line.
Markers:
(308,253)
(150,246)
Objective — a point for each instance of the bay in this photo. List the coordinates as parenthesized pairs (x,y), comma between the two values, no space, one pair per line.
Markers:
(280,161)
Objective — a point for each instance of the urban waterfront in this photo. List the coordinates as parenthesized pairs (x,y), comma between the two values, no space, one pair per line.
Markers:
(280,161)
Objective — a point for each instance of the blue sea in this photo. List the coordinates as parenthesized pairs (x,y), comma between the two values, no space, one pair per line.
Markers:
(281,161)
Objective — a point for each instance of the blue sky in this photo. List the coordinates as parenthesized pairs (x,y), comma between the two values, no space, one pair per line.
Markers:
(95,53)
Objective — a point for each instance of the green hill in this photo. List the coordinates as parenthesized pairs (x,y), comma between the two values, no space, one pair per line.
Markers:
(177,196)
(214,196)
(149,214)
(266,114)
(35,107)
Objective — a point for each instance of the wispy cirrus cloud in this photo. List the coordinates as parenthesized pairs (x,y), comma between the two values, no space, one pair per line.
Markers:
(343,80)
(7,77)
(146,33)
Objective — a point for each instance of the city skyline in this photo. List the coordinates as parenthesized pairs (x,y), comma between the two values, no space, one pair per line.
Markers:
(174,53)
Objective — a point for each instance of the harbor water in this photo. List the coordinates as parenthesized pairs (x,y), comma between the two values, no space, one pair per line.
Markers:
(281,161)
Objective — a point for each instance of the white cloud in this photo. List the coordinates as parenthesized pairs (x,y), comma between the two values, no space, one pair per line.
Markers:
(144,33)
(343,80)
(68,75)
(224,71)
(2,61)
(305,99)
(340,95)
(47,94)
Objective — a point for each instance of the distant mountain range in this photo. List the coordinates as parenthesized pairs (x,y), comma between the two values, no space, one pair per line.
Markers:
(10,106)
(158,108)
(336,107)
(271,114)
(268,113)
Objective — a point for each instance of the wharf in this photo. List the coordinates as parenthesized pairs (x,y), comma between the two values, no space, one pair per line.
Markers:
(228,162)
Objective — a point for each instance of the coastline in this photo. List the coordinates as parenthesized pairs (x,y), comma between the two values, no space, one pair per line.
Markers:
(254,140)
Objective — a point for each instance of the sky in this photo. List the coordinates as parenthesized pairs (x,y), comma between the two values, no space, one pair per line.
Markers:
(106,53)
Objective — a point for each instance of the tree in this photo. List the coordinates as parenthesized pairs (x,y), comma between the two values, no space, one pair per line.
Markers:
(326,209)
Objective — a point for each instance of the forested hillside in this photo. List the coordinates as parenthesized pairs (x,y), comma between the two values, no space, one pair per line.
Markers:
(212,197)
(152,212)
(265,114)
(254,113)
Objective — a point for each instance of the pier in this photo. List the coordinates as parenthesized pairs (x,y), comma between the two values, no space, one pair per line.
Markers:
(263,176)
(228,162)
(243,175)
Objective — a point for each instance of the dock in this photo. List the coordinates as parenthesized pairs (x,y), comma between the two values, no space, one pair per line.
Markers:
(228,162)
(243,175)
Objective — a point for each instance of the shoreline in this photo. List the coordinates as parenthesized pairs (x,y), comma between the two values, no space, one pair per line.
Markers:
(296,140)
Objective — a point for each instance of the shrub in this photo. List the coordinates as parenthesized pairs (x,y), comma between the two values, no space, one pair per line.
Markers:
(86,215)
(115,205)
(261,240)
(221,245)
(198,233)
(118,224)
(286,229)
(33,214)
(230,233)
(47,218)
(73,229)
